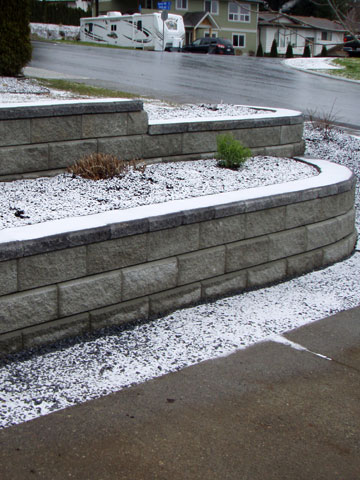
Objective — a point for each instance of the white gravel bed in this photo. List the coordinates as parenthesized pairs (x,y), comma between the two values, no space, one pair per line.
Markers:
(48,380)
(25,202)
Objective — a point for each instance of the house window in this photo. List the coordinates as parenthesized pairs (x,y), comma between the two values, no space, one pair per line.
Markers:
(151,4)
(181,4)
(238,40)
(239,13)
(326,36)
(211,6)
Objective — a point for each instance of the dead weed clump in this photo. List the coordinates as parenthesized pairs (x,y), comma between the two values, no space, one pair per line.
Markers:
(102,166)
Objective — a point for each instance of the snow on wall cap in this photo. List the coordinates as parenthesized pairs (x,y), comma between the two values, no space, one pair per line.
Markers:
(330,174)
(114,14)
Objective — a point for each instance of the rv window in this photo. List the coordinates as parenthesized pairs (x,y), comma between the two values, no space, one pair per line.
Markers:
(113,28)
(171,25)
(139,25)
(90,27)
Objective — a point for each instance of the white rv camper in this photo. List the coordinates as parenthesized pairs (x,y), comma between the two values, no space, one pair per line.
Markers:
(146,31)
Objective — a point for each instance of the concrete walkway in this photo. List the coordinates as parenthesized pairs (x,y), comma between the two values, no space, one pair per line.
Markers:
(268,412)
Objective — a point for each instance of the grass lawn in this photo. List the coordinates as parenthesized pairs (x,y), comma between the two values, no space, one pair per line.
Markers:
(83,89)
(351,68)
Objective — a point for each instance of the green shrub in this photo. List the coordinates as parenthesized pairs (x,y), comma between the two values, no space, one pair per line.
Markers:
(307,52)
(15,46)
(273,51)
(231,153)
(289,51)
(260,51)
(100,166)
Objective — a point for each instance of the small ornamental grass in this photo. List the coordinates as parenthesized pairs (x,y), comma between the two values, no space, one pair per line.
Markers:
(230,152)
(101,166)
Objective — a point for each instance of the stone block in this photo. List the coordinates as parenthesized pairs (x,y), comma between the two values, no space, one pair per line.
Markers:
(247,253)
(53,267)
(137,123)
(162,145)
(267,274)
(338,251)
(323,233)
(265,221)
(222,230)
(126,148)
(149,278)
(291,133)
(120,314)
(20,310)
(56,330)
(199,142)
(56,129)
(8,277)
(10,343)
(64,154)
(281,150)
(14,132)
(114,254)
(287,243)
(228,284)
(166,221)
(23,159)
(299,148)
(303,213)
(347,223)
(173,241)
(304,263)
(89,293)
(104,125)
(258,137)
(180,297)
(202,264)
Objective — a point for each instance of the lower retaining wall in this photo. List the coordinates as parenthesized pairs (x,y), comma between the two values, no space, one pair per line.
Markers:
(92,272)
(43,139)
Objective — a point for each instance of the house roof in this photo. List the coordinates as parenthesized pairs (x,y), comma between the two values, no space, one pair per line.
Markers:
(304,22)
(195,19)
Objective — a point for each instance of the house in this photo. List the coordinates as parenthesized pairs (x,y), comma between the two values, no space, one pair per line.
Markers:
(83,4)
(234,20)
(298,31)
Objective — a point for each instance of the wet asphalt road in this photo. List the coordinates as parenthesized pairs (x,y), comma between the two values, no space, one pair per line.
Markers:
(182,77)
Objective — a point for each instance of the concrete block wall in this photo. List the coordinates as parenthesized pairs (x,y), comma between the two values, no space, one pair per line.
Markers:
(43,139)
(73,282)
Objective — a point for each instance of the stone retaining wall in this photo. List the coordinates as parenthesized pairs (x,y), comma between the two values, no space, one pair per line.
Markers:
(37,140)
(71,276)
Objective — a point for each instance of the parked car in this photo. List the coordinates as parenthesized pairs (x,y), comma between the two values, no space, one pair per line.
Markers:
(220,46)
(352,46)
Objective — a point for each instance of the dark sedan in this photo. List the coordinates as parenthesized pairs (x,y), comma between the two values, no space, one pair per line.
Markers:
(220,46)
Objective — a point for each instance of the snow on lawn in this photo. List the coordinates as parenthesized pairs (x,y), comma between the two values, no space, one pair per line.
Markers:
(43,381)
(315,63)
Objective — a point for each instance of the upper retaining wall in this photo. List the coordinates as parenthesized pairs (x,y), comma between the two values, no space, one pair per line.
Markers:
(41,139)
(71,276)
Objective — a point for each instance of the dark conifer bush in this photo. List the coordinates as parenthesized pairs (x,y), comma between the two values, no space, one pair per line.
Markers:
(307,51)
(273,51)
(323,51)
(15,46)
(289,51)
(260,51)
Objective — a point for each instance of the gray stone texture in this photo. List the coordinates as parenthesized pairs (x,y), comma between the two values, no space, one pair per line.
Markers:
(122,313)
(65,154)
(149,278)
(56,129)
(291,133)
(265,221)
(222,230)
(14,132)
(181,297)
(338,251)
(267,273)
(50,268)
(258,137)
(104,125)
(137,123)
(23,159)
(114,254)
(304,263)
(173,241)
(247,253)
(126,148)
(10,343)
(89,293)
(21,310)
(158,146)
(199,142)
(8,277)
(330,231)
(201,264)
(287,243)
(227,284)
(54,331)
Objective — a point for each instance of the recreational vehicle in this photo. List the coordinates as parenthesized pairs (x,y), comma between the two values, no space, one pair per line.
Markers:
(146,31)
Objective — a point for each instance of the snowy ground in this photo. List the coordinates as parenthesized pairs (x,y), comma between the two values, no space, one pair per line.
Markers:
(37,383)
(315,63)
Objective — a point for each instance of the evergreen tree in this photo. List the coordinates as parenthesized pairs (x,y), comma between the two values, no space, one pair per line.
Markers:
(323,51)
(260,51)
(307,51)
(273,51)
(289,51)
(15,46)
